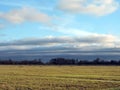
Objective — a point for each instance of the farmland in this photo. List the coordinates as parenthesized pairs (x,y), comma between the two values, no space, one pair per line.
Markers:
(13,77)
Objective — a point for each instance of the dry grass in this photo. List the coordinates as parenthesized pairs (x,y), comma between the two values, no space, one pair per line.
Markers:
(59,77)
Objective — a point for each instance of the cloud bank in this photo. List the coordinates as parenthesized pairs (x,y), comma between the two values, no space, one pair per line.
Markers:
(87,47)
(92,42)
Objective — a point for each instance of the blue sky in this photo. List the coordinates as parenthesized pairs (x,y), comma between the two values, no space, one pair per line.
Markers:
(77,24)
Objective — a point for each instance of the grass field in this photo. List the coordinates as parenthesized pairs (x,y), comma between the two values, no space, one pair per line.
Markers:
(59,77)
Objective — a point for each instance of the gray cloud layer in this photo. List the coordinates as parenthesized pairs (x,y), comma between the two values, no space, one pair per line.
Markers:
(89,41)
(61,40)
(69,47)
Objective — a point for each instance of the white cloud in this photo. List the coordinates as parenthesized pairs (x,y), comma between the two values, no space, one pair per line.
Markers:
(15,47)
(92,7)
(25,14)
(73,32)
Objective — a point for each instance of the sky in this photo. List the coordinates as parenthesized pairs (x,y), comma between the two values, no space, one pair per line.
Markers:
(57,28)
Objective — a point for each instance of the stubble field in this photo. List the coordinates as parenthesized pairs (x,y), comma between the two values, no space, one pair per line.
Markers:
(59,77)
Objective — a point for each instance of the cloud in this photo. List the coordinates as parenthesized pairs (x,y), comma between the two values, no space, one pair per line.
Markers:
(72,31)
(1,26)
(17,16)
(91,42)
(92,7)
(63,46)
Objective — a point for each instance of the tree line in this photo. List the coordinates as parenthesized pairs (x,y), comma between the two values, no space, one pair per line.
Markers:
(60,61)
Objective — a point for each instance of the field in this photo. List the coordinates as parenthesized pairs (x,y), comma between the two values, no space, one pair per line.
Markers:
(59,77)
